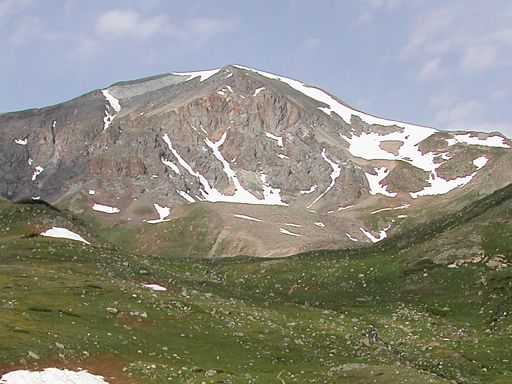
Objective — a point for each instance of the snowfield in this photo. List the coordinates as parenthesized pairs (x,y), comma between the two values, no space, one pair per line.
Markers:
(105,208)
(271,196)
(163,212)
(51,376)
(63,233)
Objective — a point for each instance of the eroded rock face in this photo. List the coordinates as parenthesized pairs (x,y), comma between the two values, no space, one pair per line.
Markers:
(237,135)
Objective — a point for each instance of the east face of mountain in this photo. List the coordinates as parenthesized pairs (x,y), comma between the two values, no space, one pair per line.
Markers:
(240,161)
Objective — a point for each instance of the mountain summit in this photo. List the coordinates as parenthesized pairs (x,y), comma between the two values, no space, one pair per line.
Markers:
(239,161)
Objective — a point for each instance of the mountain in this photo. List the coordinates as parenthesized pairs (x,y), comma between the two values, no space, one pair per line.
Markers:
(237,161)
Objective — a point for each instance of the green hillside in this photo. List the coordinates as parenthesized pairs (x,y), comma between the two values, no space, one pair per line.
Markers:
(402,311)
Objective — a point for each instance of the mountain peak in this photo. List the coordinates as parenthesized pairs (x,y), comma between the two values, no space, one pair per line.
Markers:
(249,146)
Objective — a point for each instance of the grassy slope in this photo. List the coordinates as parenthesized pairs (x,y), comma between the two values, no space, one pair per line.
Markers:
(300,319)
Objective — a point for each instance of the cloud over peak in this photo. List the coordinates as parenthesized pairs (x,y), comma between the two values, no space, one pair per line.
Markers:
(129,23)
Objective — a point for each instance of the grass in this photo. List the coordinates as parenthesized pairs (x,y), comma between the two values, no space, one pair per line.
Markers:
(384,314)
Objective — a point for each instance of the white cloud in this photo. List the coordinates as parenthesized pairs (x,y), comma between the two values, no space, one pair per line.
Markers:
(311,43)
(129,23)
(27,30)
(11,7)
(478,58)
(469,115)
(430,69)
(204,28)
(461,35)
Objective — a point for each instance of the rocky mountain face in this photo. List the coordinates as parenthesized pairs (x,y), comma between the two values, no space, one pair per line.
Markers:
(275,166)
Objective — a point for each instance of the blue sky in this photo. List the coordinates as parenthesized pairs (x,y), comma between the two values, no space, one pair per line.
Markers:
(442,63)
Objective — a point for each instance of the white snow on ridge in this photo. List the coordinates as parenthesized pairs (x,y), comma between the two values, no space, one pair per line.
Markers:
(310,190)
(171,165)
(391,208)
(186,196)
(334,105)
(155,287)
(278,139)
(37,172)
(493,141)
(480,162)
(343,208)
(105,208)
(374,181)
(248,218)
(163,212)
(336,172)
(285,232)
(257,91)
(440,186)
(51,376)
(63,233)
(367,146)
(203,75)
(382,235)
(350,237)
(114,104)
(21,141)
(271,196)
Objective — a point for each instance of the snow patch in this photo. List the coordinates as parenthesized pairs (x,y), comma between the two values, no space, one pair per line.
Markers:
(440,186)
(92,192)
(114,104)
(374,181)
(382,235)
(63,233)
(257,91)
(294,225)
(171,165)
(350,237)
(105,208)
(285,232)
(271,196)
(186,196)
(21,142)
(248,218)
(155,287)
(367,146)
(336,172)
(163,212)
(51,376)
(281,156)
(278,139)
(492,141)
(310,190)
(391,208)
(320,224)
(480,162)
(38,170)
(203,75)
(343,208)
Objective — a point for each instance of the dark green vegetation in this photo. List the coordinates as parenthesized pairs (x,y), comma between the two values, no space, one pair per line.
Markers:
(391,313)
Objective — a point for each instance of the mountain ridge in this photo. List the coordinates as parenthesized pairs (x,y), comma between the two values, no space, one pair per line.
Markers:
(236,134)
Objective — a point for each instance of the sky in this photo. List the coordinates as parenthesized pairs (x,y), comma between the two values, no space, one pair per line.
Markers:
(440,63)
